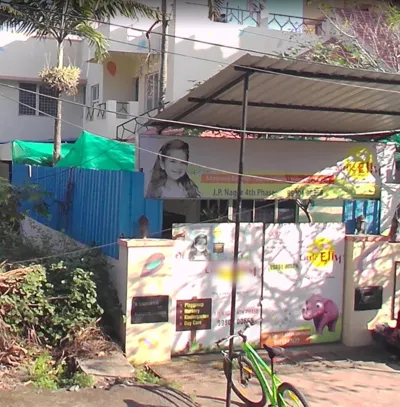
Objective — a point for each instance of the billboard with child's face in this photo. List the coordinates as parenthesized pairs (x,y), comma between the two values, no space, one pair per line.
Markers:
(195,168)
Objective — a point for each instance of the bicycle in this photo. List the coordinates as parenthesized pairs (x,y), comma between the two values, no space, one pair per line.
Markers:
(251,366)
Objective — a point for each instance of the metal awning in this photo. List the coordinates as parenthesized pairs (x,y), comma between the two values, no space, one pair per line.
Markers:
(293,97)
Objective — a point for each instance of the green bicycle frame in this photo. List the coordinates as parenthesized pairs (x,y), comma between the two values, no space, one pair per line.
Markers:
(260,366)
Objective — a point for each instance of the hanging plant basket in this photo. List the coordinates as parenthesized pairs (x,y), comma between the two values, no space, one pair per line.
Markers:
(62,80)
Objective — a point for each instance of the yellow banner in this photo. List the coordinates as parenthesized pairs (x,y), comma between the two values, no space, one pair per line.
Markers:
(277,186)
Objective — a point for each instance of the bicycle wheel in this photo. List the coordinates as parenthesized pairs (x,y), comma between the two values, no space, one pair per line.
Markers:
(245,382)
(289,396)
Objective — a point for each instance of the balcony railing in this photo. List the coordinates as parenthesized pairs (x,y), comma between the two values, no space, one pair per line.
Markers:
(284,22)
(240,16)
(101,111)
(98,111)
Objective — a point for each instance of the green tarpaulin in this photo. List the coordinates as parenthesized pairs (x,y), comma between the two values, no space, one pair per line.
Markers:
(99,153)
(30,152)
(89,151)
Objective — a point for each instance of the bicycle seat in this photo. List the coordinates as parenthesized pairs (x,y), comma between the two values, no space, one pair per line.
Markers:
(274,352)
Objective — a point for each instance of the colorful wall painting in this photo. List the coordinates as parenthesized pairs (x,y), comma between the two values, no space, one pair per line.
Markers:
(202,297)
(303,284)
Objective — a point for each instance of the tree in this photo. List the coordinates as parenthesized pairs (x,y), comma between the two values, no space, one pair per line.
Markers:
(214,8)
(60,19)
(368,39)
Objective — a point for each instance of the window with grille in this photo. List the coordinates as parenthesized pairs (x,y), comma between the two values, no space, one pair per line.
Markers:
(152,93)
(33,100)
(27,99)
(47,106)
(95,94)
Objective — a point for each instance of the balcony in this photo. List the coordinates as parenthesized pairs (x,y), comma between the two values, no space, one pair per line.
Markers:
(101,119)
(258,17)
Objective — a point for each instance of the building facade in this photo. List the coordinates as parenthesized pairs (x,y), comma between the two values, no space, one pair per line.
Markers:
(126,85)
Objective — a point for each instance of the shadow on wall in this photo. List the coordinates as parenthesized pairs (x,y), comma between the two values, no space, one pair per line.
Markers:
(248,39)
(370,261)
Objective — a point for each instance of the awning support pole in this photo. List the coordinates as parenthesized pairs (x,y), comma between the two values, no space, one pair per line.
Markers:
(238,210)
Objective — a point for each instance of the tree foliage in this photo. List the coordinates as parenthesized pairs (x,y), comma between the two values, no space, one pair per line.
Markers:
(368,39)
(60,19)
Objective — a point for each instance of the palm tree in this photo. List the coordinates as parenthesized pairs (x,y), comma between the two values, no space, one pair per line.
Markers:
(60,19)
(214,8)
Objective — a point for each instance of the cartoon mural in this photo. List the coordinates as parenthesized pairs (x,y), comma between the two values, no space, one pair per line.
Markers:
(303,284)
(323,312)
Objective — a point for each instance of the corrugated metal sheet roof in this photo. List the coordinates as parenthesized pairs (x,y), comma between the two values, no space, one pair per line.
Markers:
(294,97)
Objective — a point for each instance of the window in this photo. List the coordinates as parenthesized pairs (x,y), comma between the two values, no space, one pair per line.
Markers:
(213,210)
(135,90)
(267,211)
(27,105)
(47,105)
(95,94)
(152,94)
(34,101)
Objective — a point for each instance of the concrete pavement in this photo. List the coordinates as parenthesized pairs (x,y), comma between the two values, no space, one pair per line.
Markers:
(117,396)
(328,376)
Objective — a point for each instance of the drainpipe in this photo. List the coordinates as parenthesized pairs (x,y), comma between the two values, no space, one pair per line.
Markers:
(163,64)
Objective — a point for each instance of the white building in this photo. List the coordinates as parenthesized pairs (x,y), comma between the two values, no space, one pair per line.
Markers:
(127,82)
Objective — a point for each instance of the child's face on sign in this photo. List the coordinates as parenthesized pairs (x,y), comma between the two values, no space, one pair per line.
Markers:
(201,245)
(173,167)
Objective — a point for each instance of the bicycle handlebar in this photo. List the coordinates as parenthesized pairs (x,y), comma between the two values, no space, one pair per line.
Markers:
(240,333)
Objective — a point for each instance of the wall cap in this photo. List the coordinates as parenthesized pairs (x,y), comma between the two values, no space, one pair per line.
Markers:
(367,238)
(146,242)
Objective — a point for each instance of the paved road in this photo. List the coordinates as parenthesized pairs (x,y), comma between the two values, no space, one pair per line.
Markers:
(117,396)
(342,377)
(368,378)
(336,387)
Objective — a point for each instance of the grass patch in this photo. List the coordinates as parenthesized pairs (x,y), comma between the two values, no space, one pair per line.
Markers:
(146,376)
(45,373)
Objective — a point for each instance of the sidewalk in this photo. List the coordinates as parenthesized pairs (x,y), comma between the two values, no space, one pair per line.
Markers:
(117,396)
(327,375)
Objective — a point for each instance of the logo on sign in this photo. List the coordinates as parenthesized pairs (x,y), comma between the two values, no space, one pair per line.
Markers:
(321,253)
(359,164)
(152,264)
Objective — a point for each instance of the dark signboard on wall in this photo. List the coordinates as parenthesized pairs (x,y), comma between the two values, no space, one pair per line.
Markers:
(193,315)
(150,309)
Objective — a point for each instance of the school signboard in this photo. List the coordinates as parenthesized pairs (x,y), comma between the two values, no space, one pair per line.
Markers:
(194,168)
(203,282)
(303,283)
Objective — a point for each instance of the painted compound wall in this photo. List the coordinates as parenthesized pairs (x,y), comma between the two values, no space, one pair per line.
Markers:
(180,290)
(303,284)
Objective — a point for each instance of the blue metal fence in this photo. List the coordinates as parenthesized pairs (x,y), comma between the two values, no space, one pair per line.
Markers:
(371,209)
(91,206)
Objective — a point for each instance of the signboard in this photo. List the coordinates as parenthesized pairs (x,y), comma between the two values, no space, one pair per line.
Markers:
(276,169)
(303,284)
(150,309)
(204,265)
(193,314)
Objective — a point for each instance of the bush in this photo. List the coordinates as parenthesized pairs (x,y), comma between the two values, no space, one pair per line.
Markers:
(49,304)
